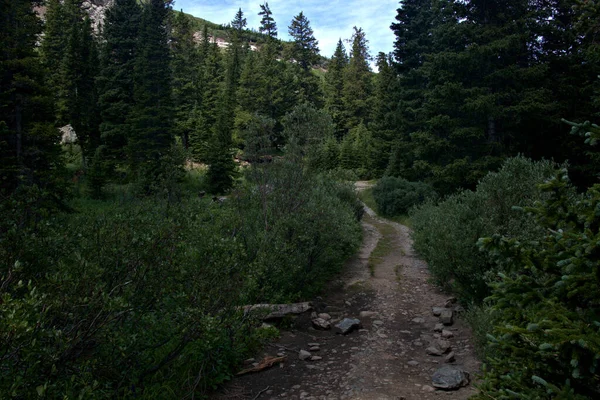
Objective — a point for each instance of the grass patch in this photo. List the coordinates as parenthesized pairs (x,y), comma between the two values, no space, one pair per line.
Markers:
(384,246)
(366,196)
(398,271)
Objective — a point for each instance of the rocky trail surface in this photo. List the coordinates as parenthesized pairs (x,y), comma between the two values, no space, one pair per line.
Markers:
(411,341)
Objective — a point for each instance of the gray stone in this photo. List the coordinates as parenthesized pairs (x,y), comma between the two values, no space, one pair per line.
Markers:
(369,314)
(418,320)
(315,348)
(304,355)
(434,351)
(320,323)
(447,317)
(438,327)
(450,378)
(427,388)
(325,316)
(413,363)
(347,325)
(377,322)
(316,358)
(437,311)
(451,357)
(447,334)
(442,344)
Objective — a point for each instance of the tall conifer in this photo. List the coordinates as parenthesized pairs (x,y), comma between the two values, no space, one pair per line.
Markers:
(115,81)
(334,88)
(30,155)
(151,123)
(357,82)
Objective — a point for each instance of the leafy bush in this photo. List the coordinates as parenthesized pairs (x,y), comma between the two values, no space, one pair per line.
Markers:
(297,228)
(395,196)
(140,298)
(546,303)
(446,233)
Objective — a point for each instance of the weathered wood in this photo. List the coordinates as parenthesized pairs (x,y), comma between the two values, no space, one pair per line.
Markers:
(277,311)
(267,362)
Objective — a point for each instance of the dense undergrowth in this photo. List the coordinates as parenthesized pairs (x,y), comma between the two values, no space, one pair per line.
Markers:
(128,297)
(522,251)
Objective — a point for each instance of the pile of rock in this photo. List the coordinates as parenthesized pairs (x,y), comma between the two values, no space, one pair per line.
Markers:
(447,377)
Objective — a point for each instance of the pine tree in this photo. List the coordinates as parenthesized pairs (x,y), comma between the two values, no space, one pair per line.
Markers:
(267,87)
(334,88)
(222,167)
(115,81)
(239,22)
(386,124)
(357,82)
(305,52)
(185,63)
(267,23)
(30,161)
(211,78)
(52,48)
(305,49)
(151,134)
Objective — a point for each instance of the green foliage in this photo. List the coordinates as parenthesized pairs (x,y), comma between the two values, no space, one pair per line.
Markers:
(268,26)
(357,82)
(311,221)
(85,315)
(151,117)
(334,88)
(305,50)
(459,110)
(31,170)
(446,233)
(115,80)
(309,129)
(547,335)
(395,196)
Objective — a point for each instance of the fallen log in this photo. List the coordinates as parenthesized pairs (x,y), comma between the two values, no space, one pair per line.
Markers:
(278,311)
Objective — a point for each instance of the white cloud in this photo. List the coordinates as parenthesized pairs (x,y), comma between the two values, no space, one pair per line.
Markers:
(330,20)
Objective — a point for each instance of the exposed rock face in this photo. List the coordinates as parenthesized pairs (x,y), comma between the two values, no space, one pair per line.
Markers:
(96,9)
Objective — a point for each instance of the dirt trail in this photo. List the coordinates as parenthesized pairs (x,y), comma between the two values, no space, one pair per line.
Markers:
(387,358)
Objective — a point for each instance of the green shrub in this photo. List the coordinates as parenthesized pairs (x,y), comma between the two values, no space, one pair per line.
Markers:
(446,233)
(546,304)
(395,196)
(140,297)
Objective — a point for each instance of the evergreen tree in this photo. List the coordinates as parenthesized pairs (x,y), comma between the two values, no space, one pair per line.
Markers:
(53,45)
(267,23)
(267,87)
(151,134)
(334,88)
(416,21)
(305,49)
(70,56)
(211,78)
(222,167)
(185,63)
(115,81)
(386,124)
(30,161)
(239,22)
(357,82)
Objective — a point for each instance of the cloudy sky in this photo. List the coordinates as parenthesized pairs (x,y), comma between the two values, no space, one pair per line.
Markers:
(330,19)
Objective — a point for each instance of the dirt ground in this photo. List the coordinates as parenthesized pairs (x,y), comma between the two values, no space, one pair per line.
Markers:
(387,358)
